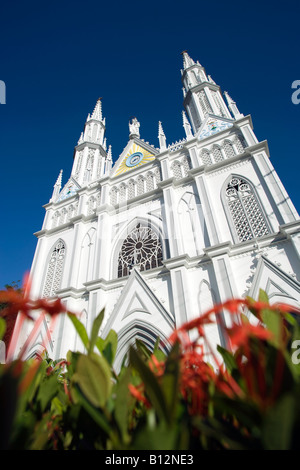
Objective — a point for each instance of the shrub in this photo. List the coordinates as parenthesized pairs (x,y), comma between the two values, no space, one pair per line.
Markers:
(174,401)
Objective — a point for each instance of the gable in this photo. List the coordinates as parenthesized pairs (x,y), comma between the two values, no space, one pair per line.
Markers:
(211,126)
(275,282)
(69,190)
(138,313)
(135,154)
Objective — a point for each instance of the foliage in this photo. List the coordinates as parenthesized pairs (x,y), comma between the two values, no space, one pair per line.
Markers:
(183,400)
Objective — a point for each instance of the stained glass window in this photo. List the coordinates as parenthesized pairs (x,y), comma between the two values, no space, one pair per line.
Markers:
(141,249)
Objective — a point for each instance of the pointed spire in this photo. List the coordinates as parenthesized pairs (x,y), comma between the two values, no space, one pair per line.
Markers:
(187,60)
(109,153)
(211,80)
(232,106)
(104,144)
(80,138)
(108,163)
(97,113)
(161,137)
(57,187)
(186,126)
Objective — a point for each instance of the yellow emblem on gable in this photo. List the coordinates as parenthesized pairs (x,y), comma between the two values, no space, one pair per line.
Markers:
(136,156)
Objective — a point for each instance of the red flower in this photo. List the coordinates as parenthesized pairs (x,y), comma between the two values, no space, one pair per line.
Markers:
(241,334)
(136,393)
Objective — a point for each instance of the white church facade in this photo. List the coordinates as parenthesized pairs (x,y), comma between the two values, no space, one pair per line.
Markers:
(163,233)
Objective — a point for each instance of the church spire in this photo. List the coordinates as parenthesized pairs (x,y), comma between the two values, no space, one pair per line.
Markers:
(232,106)
(90,152)
(97,113)
(57,187)
(161,137)
(187,60)
(108,165)
(186,126)
(202,96)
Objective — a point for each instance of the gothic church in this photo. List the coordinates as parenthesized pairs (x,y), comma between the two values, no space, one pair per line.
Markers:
(166,231)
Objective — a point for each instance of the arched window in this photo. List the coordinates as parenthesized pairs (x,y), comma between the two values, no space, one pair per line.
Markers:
(63,216)
(228,149)
(149,182)
(54,270)
(239,144)
(217,153)
(176,168)
(205,157)
(55,219)
(70,212)
(157,175)
(204,103)
(245,210)
(122,192)
(185,166)
(142,249)
(140,185)
(131,189)
(113,195)
(91,205)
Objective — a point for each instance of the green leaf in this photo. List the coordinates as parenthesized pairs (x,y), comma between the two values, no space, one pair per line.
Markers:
(108,346)
(2,327)
(95,330)
(262,296)
(93,376)
(228,358)
(47,390)
(80,330)
(152,386)
(122,403)
(170,380)
(278,424)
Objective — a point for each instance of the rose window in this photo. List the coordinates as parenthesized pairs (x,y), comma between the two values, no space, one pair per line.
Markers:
(141,249)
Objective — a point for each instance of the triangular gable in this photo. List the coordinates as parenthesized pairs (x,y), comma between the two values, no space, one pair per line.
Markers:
(212,125)
(138,314)
(275,282)
(136,153)
(70,188)
(137,298)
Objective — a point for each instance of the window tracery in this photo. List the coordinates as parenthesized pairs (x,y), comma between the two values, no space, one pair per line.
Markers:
(142,248)
(245,210)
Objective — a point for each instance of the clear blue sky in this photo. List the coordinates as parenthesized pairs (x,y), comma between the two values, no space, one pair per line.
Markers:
(58,57)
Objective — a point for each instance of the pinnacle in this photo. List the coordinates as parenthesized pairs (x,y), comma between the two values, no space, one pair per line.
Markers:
(187,60)
(97,113)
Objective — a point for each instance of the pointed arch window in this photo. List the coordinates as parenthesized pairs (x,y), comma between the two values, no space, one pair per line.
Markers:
(131,189)
(228,149)
(176,168)
(113,195)
(54,270)
(205,156)
(91,205)
(122,192)
(204,103)
(150,181)
(142,249)
(217,153)
(245,210)
(140,185)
